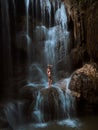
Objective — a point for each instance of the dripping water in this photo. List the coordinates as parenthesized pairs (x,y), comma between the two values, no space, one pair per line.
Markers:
(45,8)
(27,16)
(57,38)
(28,38)
(37,109)
(37,74)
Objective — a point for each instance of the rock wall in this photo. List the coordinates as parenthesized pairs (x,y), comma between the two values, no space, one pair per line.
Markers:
(82,22)
(83,48)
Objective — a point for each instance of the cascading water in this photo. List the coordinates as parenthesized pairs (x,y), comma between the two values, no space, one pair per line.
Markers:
(37,112)
(56,40)
(27,14)
(68,100)
(13,112)
(27,35)
(38,76)
(50,45)
(52,36)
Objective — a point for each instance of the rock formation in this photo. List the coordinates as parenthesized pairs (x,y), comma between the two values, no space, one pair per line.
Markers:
(84,84)
(82,21)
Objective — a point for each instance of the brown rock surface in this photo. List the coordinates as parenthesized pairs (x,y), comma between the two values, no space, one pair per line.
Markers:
(84,83)
(82,23)
(52,104)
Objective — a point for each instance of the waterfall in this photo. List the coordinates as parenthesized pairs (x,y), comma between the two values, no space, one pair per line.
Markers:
(57,38)
(27,14)
(37,109)
(63,104)
(28,38)
(50,45)
(68,101)
(27,25)
(53,38)
(13,112)
(45,8)
(49,38)
(37,75)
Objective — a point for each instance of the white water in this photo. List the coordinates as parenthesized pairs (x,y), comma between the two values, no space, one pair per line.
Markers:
(28,39)
(60,17)
(37,110)
(73,123)
(27,26)
(45,7)
(57,38)
(13,112)
(37,75)
(68,101)
(27,14)
(54,39)
(15,117)
(55,47)
(50,45)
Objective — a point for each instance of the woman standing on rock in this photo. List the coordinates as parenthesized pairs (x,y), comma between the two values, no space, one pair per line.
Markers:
(49,73)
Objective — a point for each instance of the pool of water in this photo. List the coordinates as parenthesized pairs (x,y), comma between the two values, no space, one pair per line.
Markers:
(83,123)
(89,123)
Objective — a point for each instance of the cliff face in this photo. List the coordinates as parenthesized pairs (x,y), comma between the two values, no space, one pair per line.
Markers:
(82,22)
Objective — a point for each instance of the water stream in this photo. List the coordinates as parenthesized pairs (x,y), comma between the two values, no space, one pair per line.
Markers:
(53,39)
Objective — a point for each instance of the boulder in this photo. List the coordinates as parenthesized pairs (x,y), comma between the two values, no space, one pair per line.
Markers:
(84,83)
(52,104)
(44,103)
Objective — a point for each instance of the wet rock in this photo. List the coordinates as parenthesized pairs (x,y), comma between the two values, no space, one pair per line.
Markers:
(37,104)
(77,57)
(84,83)
(29,92)
(52,104)
(47,101)
(44,104)
(28,95)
